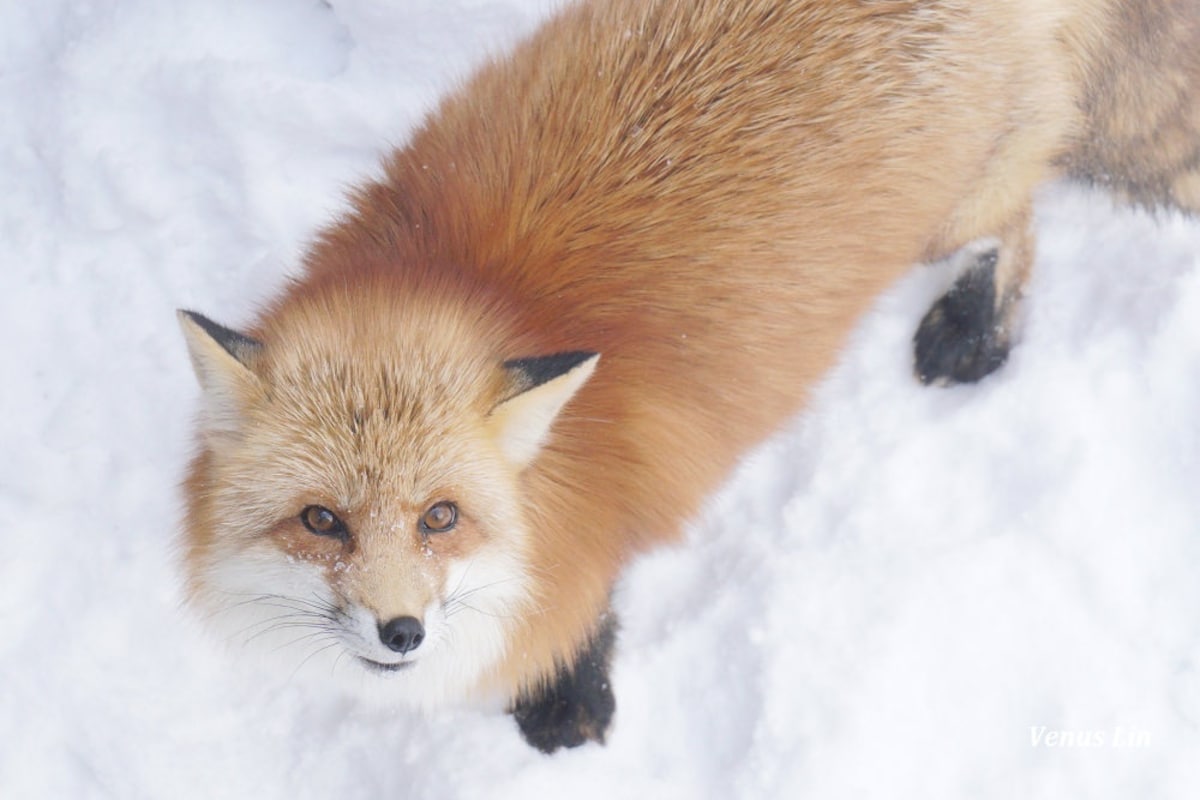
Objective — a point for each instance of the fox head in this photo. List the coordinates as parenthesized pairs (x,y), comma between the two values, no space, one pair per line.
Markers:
(356,505)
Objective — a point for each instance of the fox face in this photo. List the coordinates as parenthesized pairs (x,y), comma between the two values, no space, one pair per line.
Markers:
(356,506)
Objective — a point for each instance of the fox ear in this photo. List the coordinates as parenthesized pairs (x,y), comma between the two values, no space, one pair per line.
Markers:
(222,360)
(542,387)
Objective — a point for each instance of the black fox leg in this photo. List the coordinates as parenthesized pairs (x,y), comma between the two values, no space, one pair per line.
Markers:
(577,706)
(967,333)
(958,340)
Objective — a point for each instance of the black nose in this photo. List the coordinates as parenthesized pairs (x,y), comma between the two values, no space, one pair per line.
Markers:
(402,634)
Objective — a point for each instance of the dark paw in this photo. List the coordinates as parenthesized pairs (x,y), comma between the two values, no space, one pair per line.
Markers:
(962,337)
(565,719)
(578,706)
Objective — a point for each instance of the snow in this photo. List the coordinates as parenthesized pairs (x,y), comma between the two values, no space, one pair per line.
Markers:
(900,596)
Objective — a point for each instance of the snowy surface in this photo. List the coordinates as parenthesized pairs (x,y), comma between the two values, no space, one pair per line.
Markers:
(985,592)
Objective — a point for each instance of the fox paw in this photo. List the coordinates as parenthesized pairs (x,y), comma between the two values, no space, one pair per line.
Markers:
(558,719)
(963,337)
(578,707)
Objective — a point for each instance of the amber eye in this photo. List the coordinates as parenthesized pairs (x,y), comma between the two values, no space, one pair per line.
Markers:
(323,522)
(440,517)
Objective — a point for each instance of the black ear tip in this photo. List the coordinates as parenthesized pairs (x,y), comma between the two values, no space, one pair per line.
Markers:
(542,369)
(196,318)
(571,359)
(236,344)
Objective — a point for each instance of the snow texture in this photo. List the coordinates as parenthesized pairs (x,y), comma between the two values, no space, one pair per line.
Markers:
(988,591)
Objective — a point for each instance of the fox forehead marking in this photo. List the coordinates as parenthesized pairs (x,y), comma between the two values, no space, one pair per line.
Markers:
(390,401)
(362,392)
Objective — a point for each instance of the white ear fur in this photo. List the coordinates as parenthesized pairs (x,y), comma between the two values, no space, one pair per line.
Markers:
(220,358)
(521,423)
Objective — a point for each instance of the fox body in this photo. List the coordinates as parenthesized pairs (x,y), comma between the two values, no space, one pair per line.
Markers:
(597,274)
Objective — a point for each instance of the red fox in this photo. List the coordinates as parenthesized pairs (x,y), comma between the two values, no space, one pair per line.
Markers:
(599,272)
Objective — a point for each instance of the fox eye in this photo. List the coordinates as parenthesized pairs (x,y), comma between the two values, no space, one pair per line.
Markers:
(323,522)
(439,518)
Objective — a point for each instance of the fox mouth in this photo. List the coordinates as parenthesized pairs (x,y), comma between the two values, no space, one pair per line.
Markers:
(379,666)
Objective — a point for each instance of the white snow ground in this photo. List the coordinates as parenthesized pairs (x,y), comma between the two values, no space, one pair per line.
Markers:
(911,593)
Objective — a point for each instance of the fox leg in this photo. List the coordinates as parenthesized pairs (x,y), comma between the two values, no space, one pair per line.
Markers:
(967,332)
(1141,107)
(1139,137)
(577,705)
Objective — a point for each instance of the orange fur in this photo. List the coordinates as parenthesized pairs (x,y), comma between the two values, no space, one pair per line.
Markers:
(708,194)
